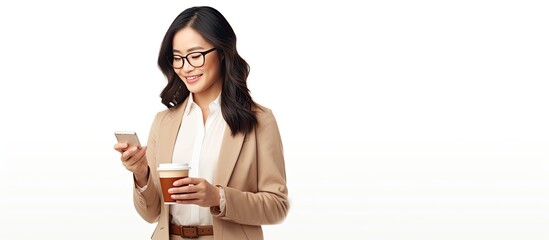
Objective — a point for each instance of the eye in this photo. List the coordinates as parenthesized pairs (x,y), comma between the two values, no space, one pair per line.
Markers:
(195,55)
(177,58)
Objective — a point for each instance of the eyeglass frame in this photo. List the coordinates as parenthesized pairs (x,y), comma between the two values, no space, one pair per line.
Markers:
(185,57)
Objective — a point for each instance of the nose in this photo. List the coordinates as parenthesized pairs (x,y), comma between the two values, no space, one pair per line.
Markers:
(187,67)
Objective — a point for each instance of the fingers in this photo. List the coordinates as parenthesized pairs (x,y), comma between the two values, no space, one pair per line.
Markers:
(187,181)
(134,158)
(188,185)
(185,189)
(129,153)
(120,147)
(189,196)
(195,191)
(134,155)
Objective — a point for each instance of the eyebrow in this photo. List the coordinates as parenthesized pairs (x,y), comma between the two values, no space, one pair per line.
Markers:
(188,50)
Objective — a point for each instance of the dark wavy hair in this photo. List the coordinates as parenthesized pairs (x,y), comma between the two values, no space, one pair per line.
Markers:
(236,102)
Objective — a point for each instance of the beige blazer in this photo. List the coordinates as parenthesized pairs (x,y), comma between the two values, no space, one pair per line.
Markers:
(250,169)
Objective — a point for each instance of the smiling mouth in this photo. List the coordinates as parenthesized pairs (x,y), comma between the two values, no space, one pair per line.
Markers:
(193,78)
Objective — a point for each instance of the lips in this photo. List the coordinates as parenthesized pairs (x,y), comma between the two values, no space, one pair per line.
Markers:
(193,78)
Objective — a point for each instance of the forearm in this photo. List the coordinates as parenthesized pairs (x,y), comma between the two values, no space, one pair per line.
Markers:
(147,200)
(254,208)
(141,177)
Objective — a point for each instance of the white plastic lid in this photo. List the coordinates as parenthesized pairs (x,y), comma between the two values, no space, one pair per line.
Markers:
(173,166)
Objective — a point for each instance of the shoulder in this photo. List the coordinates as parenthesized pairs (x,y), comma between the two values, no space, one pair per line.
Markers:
(263,113)
(168,112)
(266,131)
(265,117)
(164,116)
(171,112)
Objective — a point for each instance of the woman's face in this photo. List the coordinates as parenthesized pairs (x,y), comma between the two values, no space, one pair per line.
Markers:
(203,81)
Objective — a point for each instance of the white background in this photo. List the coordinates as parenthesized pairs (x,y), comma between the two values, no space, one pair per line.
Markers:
(400,119)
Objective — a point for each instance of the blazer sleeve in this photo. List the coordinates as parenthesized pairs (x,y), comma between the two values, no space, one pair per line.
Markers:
(147,202)
(269,204)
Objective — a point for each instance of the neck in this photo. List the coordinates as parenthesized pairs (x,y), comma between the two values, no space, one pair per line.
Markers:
(204,99)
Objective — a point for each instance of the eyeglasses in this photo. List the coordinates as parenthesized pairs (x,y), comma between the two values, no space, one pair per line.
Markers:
(195,59)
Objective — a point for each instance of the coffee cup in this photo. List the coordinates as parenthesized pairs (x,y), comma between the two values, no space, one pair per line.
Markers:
(169,173)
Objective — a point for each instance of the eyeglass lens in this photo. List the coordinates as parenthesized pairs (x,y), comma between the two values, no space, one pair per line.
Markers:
(194,59)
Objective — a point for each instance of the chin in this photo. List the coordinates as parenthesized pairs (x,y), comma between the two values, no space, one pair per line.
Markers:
(191,88)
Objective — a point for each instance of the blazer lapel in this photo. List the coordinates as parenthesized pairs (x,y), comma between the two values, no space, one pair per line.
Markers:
(228,155)
(168,133)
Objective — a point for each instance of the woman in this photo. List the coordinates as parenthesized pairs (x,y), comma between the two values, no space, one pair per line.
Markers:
(237,181)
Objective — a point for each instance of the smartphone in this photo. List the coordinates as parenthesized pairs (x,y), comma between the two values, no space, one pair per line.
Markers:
(129,137)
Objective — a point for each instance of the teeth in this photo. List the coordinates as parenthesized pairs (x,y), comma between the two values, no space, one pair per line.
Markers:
(192,77)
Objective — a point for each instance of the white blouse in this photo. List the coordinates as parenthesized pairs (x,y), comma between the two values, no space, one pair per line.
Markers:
(198,144)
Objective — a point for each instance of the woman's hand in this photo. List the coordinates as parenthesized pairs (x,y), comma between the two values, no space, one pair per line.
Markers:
(195,191)
(135,160)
